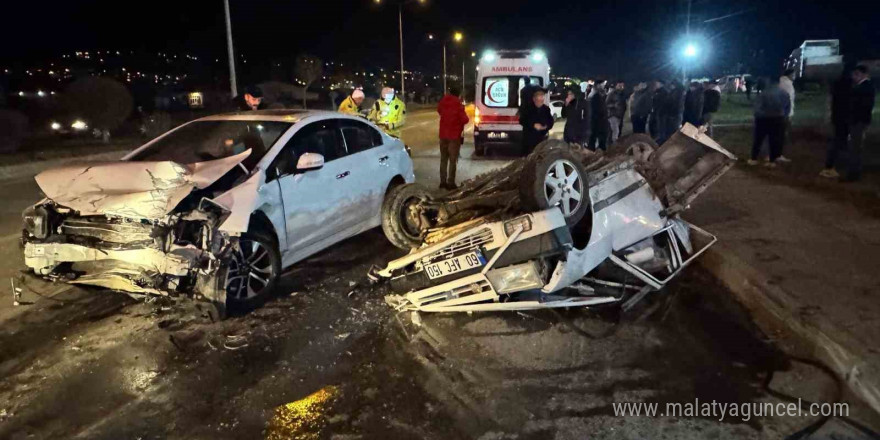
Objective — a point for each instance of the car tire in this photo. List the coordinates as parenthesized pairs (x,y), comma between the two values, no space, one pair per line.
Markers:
(253,270)
(638,145)
(541,189)
(479,149)
(399,227)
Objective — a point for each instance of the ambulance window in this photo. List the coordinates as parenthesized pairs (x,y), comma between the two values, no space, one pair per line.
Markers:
(532,80)
(496,91)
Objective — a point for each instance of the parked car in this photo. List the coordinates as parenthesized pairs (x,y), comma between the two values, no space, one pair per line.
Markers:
(563,227)
(556,109)
(217,207)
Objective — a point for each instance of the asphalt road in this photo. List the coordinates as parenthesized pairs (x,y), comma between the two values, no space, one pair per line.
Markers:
(328,359)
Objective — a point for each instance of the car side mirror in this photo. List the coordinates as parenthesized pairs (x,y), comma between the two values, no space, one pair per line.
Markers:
(309,161)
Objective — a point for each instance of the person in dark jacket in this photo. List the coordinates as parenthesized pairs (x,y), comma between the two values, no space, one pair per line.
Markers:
(577,118)
(676,107)
(641,107)
(251,99)
(658,103)
(861,106)
(452,121)
(771,108)
(840,108)
(536,120)
(616,103)
(711,104)
(693,104)
(598,117)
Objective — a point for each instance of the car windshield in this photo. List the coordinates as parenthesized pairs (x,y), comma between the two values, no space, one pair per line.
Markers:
(208,140)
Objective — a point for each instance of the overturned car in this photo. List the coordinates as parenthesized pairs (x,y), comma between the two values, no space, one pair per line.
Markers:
(215,208)
(563,227)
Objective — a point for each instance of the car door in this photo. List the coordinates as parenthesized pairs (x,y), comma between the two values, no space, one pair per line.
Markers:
(315,200)
(372,170)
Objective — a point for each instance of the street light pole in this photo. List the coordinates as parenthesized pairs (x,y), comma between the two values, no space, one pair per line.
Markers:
(232,83)
(400,30)
(444,67)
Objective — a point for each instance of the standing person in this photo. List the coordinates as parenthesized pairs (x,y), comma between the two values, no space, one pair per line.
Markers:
(389,112)
(536,120)
(841,92)
(616,104)
(598,117)
(351,105)
(748,84)
(658,105)
(787,85)
(673,111)
(711,104)
(251,99)
(771,107)
(861,106)
(641,107)
(452,121)
(577,118)
(693,104)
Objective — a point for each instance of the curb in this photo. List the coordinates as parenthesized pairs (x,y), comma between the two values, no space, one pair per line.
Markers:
(774,307)
(8,172)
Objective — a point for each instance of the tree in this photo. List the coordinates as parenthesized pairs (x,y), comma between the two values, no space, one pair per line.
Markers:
(308,69)
(103,102)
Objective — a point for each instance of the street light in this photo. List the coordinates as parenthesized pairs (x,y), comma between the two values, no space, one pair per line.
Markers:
(456,37)
(690,50)
(400,4)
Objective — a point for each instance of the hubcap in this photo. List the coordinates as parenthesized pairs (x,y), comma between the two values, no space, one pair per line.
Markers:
(564,187)
(250,270)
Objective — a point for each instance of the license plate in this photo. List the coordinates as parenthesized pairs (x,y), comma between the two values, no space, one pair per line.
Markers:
(454,265)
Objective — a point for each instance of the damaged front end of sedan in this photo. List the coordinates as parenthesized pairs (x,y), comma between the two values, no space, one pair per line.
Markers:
(563,227)
(144,228)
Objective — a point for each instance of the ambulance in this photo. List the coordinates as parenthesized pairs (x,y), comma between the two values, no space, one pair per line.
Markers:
(501,76)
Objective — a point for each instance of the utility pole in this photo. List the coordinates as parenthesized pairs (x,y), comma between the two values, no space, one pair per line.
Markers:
(402,72)
(444,68)
(233,87)
(462,79)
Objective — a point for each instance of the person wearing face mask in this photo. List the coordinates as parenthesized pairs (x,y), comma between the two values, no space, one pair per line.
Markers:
(389,112)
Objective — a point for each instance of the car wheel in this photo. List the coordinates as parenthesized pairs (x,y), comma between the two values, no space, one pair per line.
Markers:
(254,266)
(554,177)
(638,145)
(401,222)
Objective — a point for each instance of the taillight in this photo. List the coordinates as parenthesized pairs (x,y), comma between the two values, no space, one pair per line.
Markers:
(476,116)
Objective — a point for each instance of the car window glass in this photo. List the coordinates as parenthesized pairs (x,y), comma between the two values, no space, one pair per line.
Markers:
(207,140)
(358,136)
(320,137)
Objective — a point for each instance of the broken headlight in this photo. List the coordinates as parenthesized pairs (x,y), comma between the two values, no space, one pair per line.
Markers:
(36,221)
(516,278)
(524,222)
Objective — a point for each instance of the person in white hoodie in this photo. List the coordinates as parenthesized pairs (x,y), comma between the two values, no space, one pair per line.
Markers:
(787,85)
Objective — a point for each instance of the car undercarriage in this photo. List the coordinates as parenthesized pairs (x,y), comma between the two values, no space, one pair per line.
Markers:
(562,227)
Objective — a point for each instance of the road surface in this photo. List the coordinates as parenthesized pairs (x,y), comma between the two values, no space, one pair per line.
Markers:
(328,359)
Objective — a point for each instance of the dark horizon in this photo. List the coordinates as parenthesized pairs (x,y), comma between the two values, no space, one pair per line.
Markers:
(630,39)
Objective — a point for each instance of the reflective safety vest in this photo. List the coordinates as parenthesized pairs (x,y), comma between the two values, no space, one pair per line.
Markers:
(349,107)
(390,117)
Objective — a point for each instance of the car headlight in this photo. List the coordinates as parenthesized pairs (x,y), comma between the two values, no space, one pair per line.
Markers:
(36,221)
(79,125)
(55,126)
(516,278)
(524,222)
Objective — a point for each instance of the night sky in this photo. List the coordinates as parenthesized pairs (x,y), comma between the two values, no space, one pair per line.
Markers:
(629,38)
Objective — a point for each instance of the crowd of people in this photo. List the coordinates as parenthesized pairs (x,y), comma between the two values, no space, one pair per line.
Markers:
(595,112)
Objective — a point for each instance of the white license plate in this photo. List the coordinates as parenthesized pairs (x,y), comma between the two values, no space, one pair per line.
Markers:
(454,265)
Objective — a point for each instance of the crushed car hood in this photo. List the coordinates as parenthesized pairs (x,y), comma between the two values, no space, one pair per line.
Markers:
(144,190)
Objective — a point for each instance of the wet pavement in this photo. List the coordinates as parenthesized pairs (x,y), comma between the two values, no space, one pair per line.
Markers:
(331,360)
(328,359)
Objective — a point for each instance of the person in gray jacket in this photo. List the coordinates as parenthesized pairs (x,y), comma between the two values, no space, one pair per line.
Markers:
(771,108)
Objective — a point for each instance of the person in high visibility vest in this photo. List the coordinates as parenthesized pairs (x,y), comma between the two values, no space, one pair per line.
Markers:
(389,112)
(352,104)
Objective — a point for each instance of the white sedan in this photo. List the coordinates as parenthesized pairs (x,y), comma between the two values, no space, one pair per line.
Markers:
(217,207)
